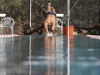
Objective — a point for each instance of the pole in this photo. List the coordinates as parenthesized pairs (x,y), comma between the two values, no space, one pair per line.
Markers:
(99,11)
(68,20)
(68,14)
(30,11)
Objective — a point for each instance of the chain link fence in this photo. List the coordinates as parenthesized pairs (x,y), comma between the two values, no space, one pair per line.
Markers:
(83,13)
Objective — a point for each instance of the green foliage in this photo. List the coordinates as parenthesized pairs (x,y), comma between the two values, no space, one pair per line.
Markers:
(85,12)
(18,9)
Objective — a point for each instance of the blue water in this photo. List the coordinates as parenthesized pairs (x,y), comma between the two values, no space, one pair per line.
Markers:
(41,55)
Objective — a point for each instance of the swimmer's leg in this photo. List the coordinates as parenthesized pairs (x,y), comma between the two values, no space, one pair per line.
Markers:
(53,9)
(49,7)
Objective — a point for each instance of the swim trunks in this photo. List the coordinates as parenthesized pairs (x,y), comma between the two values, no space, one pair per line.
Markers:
(52,13)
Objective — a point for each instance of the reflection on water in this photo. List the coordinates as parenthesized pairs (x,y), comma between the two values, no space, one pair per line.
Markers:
(40,55)
(2,57)
(49,47)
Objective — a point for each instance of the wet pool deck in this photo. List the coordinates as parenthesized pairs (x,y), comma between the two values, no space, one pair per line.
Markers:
(41,55)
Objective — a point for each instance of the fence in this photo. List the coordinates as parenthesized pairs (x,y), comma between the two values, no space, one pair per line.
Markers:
(83,13)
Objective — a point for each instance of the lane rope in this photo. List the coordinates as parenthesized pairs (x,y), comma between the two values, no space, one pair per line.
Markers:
(8,35)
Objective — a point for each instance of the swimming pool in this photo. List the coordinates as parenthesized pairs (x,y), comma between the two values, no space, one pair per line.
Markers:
(40,55)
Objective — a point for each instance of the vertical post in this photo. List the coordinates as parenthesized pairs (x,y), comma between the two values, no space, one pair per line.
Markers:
(30,11)
(30,41)
(68,14)
(99,11)
(68,20)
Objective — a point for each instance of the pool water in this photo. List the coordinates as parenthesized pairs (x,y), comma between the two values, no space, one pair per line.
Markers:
(57,55)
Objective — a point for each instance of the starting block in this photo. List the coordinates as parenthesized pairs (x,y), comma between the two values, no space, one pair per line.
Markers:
(2,15)
(60,15)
